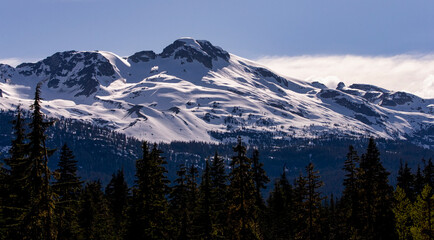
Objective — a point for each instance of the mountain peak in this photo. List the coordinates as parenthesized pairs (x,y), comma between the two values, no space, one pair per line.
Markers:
(188,41)
(200,50)
(79,71)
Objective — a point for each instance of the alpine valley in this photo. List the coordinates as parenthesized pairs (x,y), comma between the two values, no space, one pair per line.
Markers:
(195,91)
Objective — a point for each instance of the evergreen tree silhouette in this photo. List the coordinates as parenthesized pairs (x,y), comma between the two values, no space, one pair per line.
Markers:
(219,192)
(16,201)
(279,222)
(313,202)
(178,204)
(150,218)
(117,193)
(405,180)
(350,197)
(376,196)
(67,188)
(242,208)
(204,221)
(94,216)
(38,221)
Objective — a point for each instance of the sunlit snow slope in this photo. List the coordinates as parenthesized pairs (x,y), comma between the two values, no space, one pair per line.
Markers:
(193,89)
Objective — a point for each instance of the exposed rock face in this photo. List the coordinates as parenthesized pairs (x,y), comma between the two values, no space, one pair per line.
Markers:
(190,50)
(143,56)
(71,69)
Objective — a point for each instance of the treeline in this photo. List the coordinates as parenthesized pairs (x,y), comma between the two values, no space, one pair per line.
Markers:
(218,202)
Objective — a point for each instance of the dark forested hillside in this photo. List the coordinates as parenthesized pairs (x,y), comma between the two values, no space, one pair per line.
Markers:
(101,152)
(221,197)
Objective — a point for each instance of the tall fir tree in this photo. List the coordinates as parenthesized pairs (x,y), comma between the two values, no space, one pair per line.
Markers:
(136,211)
(117,193)
(178,204)
(376,196)
(300,197)
(67,188)
(313,202)
(192,188)
(4,186)
(219,192)
(280,222)
(150,218)
(333,220)
(260,178)
(350,195)
(16,203)
(204,221)
(419,181)
(242,208)
(192,200)
(39,219)
(428,172)
(405,180)
(94,217)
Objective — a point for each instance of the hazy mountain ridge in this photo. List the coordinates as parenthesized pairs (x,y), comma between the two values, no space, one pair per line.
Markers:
(193,88)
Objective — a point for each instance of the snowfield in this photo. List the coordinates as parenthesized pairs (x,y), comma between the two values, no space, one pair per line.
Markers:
(193,88)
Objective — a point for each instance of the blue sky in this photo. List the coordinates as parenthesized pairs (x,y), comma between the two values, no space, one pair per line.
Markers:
(252,29)
(37,28)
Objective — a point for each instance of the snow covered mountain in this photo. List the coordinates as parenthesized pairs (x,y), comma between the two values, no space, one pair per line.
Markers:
(193,90)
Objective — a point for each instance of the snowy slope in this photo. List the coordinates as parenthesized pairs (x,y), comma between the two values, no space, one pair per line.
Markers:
(193,88)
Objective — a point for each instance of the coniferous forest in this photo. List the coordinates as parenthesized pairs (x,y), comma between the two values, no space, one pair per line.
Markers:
(219,201)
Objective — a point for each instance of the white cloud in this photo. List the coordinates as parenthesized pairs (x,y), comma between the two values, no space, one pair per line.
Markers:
(16,61)
(11,61)
(409,73)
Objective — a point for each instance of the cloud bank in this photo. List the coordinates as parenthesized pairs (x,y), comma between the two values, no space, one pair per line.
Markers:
(409,73)
(11,61)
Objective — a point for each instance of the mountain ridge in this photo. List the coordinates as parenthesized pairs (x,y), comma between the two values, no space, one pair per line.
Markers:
(193,88)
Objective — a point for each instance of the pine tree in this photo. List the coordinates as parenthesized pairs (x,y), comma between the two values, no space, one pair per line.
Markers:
(219,192)
(313,202)
(4,187)
(428,173)
(350,198)
(192,189)
(16,203)
(260,179)
(67,188)
(405,180)
(204,221)
(289,198)
(38,221)
(149,218)
(192,199)
(333,225)
(117,193)
(402,210)
(422,215)
(94,216)
(279,216)
(376,196)
(300,199)
(242,208)
(178,204)
(276,214)
(419,182)
(136,212)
